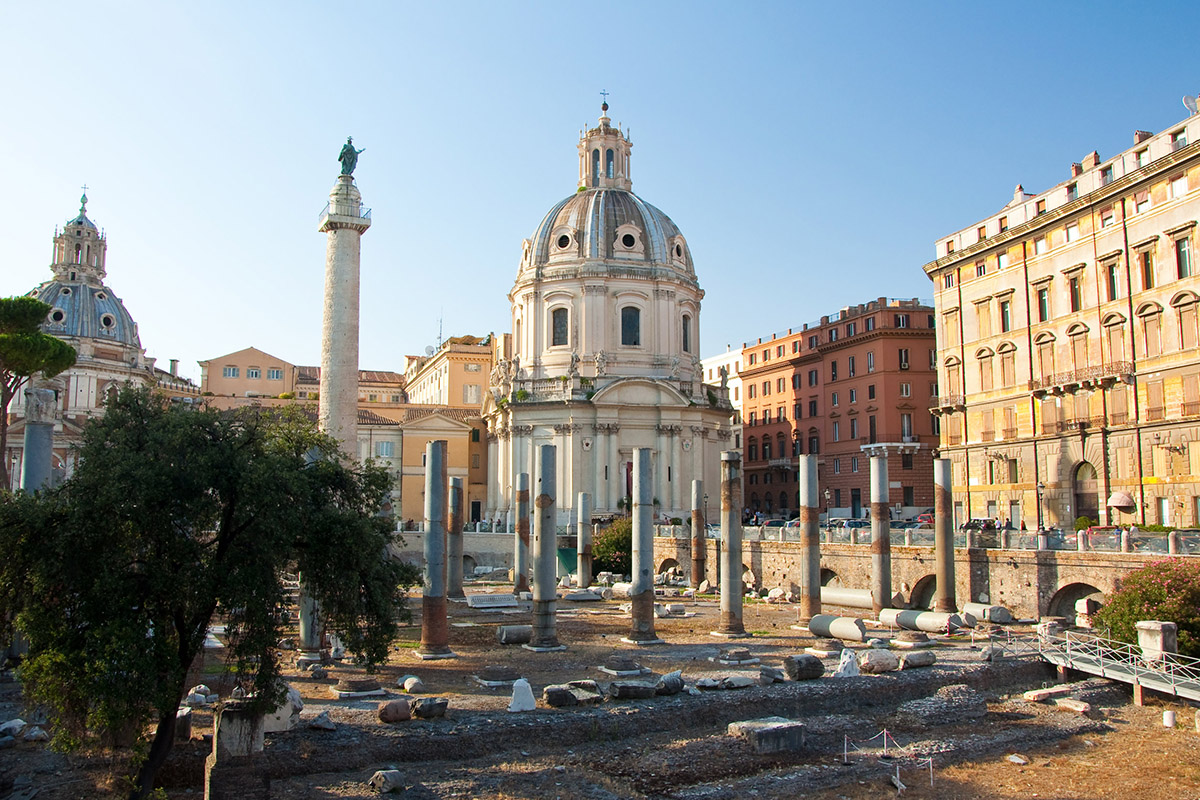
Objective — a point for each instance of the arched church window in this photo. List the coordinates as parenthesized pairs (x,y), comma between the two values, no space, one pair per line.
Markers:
(687,333)
(608,163)
(558,325)
(631,326)
(78,254)
(595,168)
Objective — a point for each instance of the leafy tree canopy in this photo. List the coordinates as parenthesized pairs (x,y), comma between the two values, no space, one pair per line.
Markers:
(1167,590)
(176,515)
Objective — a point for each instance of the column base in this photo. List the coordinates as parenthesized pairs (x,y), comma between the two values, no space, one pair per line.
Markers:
(432,655)
(544,648)
(307,657)
(627,640)
(730,634)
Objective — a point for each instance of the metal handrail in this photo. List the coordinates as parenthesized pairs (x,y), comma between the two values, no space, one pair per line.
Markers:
(1168,672)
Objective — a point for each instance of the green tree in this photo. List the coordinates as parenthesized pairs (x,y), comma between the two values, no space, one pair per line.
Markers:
(612,549)
(1166,590)
(174,516)
(25,351)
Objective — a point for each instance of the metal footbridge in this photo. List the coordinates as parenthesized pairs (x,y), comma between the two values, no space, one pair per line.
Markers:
(1168,673)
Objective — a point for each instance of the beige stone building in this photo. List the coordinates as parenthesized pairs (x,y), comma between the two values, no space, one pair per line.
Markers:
(454,374)
(1068,366)
(254,373)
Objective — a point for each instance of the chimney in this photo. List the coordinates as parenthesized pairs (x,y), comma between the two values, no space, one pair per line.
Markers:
(1141,136)
(1092,160)
(1076,170)
(174,367)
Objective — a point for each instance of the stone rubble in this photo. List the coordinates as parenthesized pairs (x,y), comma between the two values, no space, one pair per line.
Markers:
(322,722)
(875,661)
(847,665)
(522,697)
(803,667)
(395,711)
(948,706)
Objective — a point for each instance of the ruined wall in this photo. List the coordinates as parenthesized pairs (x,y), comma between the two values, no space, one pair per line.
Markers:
(1025,581)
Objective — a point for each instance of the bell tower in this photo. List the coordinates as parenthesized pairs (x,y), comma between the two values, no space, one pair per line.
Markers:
(604,156)
(79,250)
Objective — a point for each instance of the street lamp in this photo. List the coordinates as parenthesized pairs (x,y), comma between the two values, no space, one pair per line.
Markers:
(1041,491)
(706,509)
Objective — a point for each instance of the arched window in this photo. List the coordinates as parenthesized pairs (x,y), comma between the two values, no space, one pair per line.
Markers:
(1185,306)
(687,332)
(631,325)
(1045,357)
(1151,319)
(608,163)
(766,449)
(783,500)
(595,168)
(1078,335)
(1008,364)
(752,449)
(984,355)
(814,444)
(558,327)
(78,254)
(1114,336)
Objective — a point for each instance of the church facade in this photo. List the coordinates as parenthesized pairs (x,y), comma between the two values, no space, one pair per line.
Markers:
(604,351)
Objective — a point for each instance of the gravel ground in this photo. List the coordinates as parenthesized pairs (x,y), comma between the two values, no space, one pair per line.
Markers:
(663,747)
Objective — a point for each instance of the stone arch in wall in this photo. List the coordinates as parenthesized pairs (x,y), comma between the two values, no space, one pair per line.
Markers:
(1062,603)
(667,563)
(830,578)
(469,564)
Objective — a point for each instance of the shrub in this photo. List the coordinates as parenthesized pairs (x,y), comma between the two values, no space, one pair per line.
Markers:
(1083,523)
(1167,590)
(612,549)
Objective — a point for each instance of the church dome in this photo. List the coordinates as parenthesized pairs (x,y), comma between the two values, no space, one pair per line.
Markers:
(83,307)
(88,311)
(609,224)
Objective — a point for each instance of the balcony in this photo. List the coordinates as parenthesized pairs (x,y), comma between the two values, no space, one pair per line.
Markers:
(1087,378)
(1156,414)
(1068,425)
(988,436)
(1191,409)
(781,463)
(948,403)
(1119,418)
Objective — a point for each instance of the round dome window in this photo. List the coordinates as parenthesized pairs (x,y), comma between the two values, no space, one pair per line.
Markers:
(107,321)
(65,290)
(57,315)
(628,240)
(101,296)
(564,242)
(678,251)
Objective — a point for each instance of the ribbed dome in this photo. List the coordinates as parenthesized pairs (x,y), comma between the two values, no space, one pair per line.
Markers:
(86,310)
(609,224)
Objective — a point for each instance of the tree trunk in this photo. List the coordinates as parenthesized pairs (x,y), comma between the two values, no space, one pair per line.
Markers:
(6,396)
(160,748)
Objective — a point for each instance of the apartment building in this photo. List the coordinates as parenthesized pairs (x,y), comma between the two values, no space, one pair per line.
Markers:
(1067,334)
(853,385)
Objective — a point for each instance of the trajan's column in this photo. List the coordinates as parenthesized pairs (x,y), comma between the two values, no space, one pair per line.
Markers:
(345,221)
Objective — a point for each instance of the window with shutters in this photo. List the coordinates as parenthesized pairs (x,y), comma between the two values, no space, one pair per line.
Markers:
(985,372)
(1079,350)
(1008,368)
(1010,422)
(983,315)
(1045,354)
(1151,333)
(1187,324)
(1114,333)
(1155,409)
(950,329)
(1191,395)
(1049,409)
(1118,409)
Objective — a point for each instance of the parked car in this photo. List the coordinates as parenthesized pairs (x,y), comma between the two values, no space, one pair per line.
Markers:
(979,524)
(925,518)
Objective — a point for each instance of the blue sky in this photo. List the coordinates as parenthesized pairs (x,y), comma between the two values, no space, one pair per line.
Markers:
(812,153)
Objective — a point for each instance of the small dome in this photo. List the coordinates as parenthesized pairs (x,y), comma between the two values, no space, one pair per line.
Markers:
(609,225)
(86,310)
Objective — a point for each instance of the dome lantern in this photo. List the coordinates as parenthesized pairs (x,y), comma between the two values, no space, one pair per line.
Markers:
(79,249)
(604,156)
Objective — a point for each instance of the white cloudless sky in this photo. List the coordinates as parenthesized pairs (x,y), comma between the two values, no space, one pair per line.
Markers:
(811,153)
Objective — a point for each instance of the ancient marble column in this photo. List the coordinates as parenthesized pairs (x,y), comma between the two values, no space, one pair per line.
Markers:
(810,540)
(699,534)
(881,537)
(37,460)
(731,545)
(642,592)
(454,541)
(943,537)
(583,539)
(545,552)
(435,629)
(521,536)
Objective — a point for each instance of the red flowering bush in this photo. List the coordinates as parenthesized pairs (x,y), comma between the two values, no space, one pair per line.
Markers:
(1166,590)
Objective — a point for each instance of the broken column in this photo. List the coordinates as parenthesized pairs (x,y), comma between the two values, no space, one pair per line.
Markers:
(521,537)
(731,545)
(699,535)
(641,593)
(943,537)
(810,540)
(881,536)
(236,769)
(545,552)
(583,540)
(37,460)
(435,630)
(454,541)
